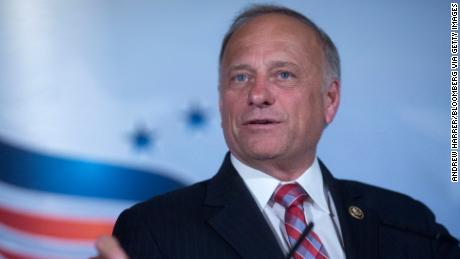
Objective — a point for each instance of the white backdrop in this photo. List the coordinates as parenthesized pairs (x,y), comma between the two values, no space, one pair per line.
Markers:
(82,79)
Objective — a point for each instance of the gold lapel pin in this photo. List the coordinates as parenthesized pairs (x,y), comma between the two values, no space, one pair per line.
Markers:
(356,212)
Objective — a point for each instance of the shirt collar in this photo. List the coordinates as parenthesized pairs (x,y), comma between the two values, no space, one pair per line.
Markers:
(262,185)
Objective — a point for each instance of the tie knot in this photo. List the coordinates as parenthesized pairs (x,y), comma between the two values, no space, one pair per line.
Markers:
(288,195)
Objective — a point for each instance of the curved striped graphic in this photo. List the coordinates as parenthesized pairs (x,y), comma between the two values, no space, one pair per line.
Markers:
(55,207)
(77,177)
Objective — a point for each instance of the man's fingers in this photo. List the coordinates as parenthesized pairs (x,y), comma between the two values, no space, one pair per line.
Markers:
(109,248)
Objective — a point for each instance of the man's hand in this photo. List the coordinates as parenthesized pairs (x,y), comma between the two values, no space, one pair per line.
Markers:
(109,248)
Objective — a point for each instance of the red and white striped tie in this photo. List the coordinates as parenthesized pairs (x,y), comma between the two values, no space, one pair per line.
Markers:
(291,197)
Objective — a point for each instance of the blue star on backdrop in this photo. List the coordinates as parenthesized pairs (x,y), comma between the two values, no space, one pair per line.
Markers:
(196,117)
(142,139)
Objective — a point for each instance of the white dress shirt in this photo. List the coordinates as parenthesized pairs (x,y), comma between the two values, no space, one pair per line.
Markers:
(319,209)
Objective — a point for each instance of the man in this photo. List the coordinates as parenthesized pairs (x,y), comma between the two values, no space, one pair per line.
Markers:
(279,88)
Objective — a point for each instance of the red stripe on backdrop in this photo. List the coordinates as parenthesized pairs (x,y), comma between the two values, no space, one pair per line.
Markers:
(55,227)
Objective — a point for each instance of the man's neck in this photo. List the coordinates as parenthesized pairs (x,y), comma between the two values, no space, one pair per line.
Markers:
(283,170)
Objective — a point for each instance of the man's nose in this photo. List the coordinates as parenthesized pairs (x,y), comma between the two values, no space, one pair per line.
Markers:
(260,94)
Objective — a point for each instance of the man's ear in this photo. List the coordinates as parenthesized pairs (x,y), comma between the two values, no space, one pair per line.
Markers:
(331,100)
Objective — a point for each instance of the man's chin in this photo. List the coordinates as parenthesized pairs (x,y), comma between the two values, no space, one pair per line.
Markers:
(263,155)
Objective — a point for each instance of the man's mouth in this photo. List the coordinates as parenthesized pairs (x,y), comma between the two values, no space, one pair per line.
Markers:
(261,122)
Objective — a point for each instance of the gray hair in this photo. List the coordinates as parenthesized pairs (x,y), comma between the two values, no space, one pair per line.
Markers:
(330,51)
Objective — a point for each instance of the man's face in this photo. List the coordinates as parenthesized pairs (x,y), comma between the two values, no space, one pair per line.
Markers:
(272,100)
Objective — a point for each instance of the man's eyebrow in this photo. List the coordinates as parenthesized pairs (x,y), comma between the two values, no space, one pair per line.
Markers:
(242,67)
(272,64)
(278,64)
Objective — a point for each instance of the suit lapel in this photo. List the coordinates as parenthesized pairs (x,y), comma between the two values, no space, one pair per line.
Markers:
(239,220)
(360,235)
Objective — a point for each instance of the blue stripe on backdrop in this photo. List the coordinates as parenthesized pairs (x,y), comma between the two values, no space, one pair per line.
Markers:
(78,177)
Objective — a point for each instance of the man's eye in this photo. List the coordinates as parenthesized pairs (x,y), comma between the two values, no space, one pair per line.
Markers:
(241,78)
(285,75)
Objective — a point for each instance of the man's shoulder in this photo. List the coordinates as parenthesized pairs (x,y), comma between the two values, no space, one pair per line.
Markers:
(399,215)
(380,198)
(391,207)
(180,208)
(376,193)
(384,202)
(181,199)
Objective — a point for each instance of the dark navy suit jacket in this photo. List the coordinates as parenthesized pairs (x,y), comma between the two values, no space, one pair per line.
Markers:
(219,218)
